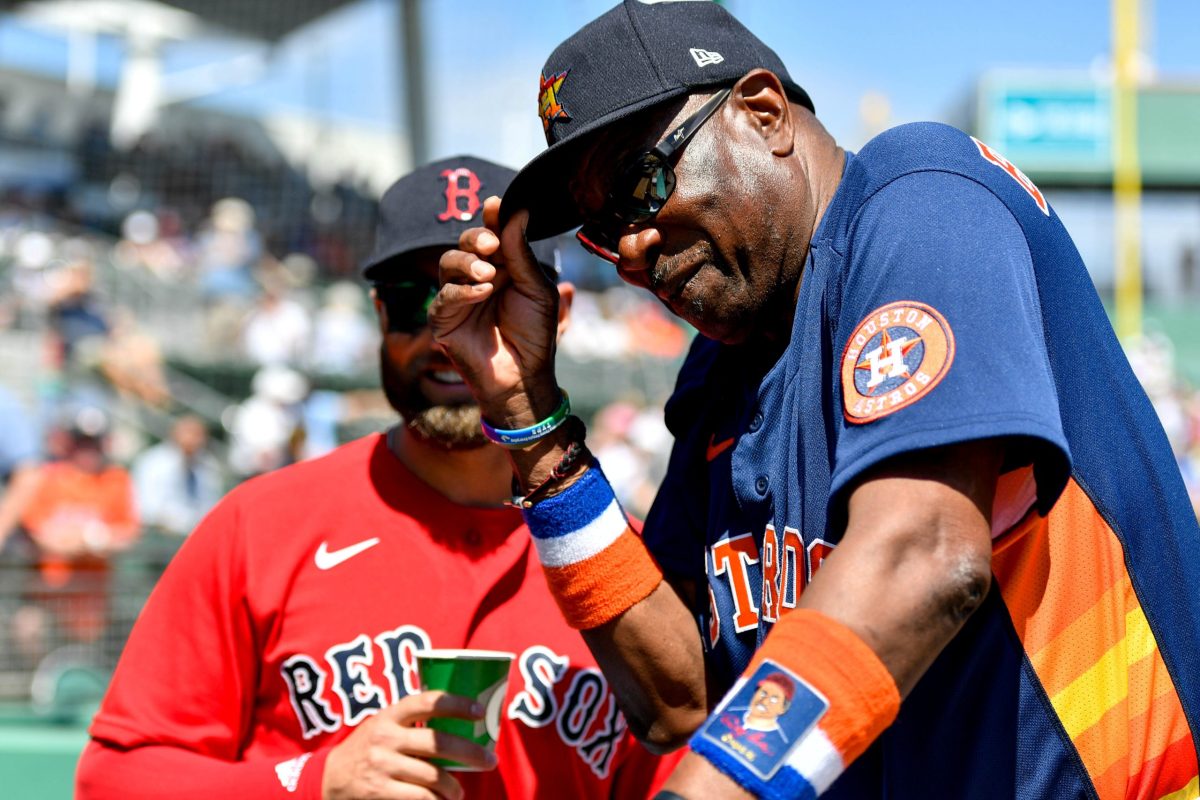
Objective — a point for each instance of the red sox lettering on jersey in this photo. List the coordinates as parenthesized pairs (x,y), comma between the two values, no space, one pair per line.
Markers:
(458,193)
(576,701)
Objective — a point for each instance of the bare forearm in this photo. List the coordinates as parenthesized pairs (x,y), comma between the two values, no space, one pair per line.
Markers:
(652,658)
(905,582)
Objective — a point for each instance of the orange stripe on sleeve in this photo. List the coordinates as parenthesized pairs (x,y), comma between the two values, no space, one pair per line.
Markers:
(1172,771)
(1065,583)
(1189,792)
(1123,753)
(1053,570)
(1074,650)
(1167,754)
(595,590)
(1105,747)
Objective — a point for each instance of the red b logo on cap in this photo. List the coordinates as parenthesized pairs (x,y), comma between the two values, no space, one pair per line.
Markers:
(456,191)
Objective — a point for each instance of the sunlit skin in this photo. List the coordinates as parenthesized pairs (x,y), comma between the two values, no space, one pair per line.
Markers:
(716,255)
(441,440)
(726,253)
(388,754)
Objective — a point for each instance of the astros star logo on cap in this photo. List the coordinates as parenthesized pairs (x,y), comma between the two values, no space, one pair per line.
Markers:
(549,108)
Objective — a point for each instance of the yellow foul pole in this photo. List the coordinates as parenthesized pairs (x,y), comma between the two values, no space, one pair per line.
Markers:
(1127,171)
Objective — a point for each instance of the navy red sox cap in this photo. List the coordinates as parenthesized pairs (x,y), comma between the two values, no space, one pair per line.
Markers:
(632,57)
(431,206)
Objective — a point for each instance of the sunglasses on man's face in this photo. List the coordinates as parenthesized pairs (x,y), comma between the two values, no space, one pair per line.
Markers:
(643,187)
(407,304)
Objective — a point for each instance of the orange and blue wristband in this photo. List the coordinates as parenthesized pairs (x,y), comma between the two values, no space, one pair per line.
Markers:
(596,566)
(813,698)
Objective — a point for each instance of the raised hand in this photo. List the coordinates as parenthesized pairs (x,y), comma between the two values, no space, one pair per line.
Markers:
(386,757)
(496,316)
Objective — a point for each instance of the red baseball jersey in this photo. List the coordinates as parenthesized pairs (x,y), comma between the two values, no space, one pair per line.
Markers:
(295,611)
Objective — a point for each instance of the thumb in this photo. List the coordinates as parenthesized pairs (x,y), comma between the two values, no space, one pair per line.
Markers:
(518,256)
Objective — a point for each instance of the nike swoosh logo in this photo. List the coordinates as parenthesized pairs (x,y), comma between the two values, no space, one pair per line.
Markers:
(715,448)
(328,559)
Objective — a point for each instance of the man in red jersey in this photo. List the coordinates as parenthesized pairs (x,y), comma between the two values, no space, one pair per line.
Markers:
(276,657)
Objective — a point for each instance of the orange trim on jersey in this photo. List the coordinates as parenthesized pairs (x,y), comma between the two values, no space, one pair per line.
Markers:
(593,591)
(1189,792)
(862,694)
(1061,661)
(1064,581)
(1173,762)
(1023,571)
(1148,685)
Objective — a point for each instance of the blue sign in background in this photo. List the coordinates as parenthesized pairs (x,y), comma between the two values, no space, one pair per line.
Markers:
(1052,127)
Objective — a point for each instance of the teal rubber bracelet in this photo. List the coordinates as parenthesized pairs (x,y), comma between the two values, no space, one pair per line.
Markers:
(519,437)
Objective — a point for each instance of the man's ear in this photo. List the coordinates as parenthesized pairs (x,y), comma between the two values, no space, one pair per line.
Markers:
(380,312)
(566,296)
(760,94)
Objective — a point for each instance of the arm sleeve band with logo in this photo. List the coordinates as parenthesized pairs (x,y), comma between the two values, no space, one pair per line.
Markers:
(851,697)
(596,566)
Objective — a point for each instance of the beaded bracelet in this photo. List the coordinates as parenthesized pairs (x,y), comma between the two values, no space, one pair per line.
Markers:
(519,437)
(562,469)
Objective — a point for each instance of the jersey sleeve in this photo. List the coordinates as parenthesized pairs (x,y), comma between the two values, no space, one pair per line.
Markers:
(153,772)
(938,334)
(187,675)
(181,702)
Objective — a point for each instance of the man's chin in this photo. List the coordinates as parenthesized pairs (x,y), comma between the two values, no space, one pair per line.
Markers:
(451,427)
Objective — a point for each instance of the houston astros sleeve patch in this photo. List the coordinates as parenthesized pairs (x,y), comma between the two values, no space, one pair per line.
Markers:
(894,357)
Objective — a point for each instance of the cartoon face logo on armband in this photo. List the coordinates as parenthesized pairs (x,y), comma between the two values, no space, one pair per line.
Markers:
(894,357)
(762,720)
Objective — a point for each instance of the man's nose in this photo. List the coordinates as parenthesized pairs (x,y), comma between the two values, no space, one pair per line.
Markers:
(637,251)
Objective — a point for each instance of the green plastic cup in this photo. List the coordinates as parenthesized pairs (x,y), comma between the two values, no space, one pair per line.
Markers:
(480,674)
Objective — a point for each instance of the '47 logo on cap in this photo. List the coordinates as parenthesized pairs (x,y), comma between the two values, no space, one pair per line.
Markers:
(549,109)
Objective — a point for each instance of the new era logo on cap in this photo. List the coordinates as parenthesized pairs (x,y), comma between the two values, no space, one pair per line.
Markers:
(704,58)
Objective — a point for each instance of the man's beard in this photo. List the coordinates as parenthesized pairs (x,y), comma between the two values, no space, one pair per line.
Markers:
(452,427)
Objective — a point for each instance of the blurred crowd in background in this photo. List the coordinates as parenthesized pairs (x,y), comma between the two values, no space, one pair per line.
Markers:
(151,361)
(187,314)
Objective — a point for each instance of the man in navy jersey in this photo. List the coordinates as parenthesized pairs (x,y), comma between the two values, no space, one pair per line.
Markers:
(914,479)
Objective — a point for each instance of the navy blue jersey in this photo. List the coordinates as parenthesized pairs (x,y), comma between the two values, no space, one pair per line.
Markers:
(943,301)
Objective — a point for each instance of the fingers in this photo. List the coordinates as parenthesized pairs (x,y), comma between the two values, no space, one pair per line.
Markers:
(418,778)
(480,241)
(466,281)
(401,776)
(491,213)
(429,743)
(518,258)
(424,705)
(464,267)
(483,245)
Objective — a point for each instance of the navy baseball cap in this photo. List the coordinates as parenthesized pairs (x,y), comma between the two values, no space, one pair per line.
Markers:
(632,57)
(432,206)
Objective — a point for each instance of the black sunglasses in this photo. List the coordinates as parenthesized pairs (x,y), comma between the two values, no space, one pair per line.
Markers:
(644,186)
(407,304)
